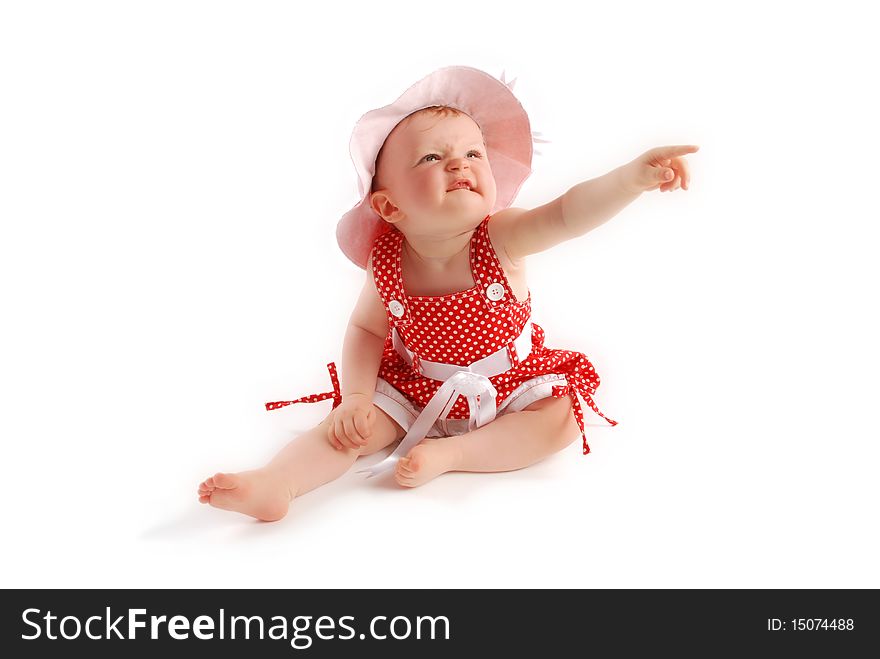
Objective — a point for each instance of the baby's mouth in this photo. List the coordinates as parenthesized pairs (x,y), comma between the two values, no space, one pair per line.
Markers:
(461,185)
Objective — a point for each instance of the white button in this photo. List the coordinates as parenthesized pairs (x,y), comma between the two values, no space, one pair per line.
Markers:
(495,292)
(396,308)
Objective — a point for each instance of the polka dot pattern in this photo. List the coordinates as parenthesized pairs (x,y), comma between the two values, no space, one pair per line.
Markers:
(461,328)
(464,327)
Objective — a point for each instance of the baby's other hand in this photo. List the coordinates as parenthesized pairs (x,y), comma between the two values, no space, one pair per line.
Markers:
(662,168)
(351,423)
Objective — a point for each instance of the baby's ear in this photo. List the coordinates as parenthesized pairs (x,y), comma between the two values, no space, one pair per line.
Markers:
(381,203)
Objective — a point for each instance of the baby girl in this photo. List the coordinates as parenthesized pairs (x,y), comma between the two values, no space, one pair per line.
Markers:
(440,350)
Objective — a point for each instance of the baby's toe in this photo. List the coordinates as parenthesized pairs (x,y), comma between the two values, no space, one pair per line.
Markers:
(404,480)
(414,463)
(225,481)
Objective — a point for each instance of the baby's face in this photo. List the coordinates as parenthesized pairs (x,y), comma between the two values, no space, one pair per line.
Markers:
(422,160)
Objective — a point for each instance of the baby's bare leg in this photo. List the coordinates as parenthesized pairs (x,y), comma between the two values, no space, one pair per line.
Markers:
(512,441)
(310,461)
(307,462)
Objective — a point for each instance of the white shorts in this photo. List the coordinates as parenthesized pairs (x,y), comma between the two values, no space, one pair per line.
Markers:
(404,412)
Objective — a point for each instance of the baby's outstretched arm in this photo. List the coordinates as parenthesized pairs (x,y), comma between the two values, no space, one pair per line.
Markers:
(587,205)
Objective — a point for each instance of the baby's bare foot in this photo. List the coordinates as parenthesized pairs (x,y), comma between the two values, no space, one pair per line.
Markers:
(426,461)
(259,493)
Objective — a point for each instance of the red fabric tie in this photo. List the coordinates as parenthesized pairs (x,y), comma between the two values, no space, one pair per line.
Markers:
(336,394)
(582,379)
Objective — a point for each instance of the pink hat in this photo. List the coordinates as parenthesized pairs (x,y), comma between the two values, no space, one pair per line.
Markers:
(488,101)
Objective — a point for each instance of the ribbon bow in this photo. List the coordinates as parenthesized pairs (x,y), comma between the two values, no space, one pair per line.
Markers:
(473,386)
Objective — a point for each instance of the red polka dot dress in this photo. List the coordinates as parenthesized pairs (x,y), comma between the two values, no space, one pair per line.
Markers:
(462,328)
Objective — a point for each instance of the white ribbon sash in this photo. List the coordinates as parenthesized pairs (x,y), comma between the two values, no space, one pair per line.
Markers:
(480,395)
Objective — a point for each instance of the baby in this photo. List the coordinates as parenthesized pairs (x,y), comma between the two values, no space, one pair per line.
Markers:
(440,351)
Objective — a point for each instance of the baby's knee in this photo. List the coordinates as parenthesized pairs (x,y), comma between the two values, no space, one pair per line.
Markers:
(570,432)
(556,421)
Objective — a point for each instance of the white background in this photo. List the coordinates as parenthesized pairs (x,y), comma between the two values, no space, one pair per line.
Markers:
(171,174)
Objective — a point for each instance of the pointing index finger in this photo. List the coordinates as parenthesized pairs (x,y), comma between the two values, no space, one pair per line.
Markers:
(672,151)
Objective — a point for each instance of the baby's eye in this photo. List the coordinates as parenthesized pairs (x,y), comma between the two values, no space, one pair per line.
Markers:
(434,155)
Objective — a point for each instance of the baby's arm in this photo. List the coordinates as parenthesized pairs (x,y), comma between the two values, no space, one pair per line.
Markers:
(362,348)
(587,205)
(364,341)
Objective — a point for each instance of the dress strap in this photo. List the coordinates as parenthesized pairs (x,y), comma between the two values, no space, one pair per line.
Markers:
(387,273)
(336,394)
(487,270)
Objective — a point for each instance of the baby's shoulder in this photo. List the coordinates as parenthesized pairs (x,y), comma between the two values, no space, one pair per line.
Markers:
(500,228)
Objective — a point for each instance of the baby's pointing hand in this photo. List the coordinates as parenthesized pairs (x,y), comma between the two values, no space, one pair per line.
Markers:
(662,167)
